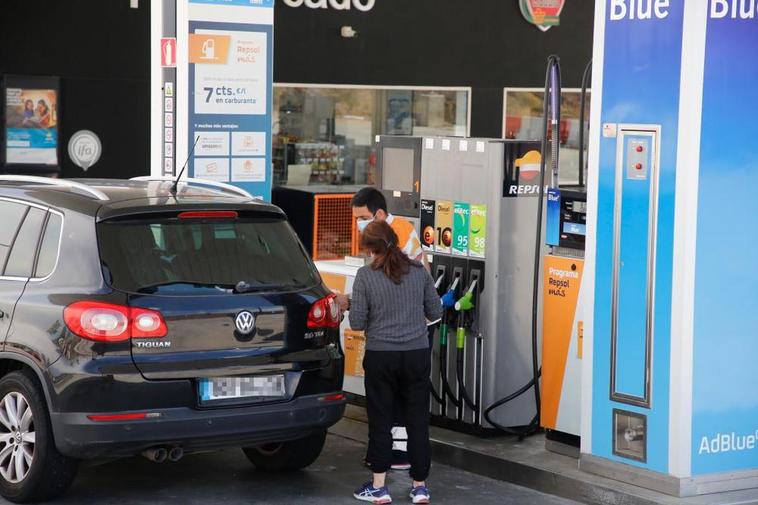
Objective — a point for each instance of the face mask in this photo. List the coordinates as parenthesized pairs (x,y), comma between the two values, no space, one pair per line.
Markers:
(363,223)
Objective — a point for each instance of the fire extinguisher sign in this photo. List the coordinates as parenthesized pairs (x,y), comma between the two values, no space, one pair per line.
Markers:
(168,52)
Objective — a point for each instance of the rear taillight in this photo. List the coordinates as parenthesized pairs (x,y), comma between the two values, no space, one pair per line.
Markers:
(325,313)
(107,322)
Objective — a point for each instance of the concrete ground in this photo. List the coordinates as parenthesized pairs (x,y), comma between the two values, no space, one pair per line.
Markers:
(228,478)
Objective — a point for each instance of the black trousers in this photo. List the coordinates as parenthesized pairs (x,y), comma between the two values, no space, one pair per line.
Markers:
(398,380)
(399,415)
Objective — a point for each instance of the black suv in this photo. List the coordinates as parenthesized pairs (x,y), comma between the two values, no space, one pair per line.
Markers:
(138,318)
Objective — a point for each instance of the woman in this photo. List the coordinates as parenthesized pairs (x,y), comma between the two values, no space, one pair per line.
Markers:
(392,300)
(43,111)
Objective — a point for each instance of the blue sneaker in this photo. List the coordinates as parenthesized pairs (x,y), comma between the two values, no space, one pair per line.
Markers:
(377,496)
(420,494)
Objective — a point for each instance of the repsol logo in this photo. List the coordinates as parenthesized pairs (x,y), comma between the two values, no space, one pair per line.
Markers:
(524,189)
(728,442)
(340,5)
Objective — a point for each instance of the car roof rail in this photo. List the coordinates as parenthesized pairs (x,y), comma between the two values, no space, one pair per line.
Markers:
(60,183)
(197,182)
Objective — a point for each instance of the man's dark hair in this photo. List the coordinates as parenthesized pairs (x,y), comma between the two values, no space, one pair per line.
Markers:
(371,198)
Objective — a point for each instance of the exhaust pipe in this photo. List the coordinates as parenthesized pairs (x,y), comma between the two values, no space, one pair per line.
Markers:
(156,454)
(175,454)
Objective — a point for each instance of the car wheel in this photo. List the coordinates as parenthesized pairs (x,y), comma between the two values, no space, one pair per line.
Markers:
(287,456)
(31,468)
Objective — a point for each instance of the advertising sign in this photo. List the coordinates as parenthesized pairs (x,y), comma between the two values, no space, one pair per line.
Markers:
(230,81)
(444,226)
(560,340)
(724,396)
(461,218)
(427,224)
(31,121)
(478,232)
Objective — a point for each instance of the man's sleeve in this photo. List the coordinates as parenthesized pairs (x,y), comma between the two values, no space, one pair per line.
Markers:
(412,247)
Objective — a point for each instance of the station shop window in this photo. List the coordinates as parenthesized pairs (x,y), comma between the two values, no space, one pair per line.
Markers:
(325,135)
(522,120)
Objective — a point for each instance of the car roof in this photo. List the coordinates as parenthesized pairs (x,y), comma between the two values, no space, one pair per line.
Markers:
(121,197)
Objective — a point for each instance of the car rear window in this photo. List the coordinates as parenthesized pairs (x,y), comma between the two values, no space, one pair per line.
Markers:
(200,257)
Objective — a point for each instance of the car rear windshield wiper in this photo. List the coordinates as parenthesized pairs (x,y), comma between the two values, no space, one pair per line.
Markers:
(152,288)
(245,287)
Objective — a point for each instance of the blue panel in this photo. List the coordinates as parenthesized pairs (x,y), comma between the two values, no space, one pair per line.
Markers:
(553,224)
(641,78)
(631,333)
(725,391)
(258,123)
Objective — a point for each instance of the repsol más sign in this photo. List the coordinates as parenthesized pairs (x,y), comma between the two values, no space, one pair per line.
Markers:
(340,5)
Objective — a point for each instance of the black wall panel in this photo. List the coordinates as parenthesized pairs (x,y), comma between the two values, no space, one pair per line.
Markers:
(100,50)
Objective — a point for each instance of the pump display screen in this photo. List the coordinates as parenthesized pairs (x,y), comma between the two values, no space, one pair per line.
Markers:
(397,169)
(574,228)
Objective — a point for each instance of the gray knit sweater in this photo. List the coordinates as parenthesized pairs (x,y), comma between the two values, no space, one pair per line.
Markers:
(394,315)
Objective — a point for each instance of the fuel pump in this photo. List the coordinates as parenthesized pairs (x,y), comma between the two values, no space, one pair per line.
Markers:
(465,306)
(448,305)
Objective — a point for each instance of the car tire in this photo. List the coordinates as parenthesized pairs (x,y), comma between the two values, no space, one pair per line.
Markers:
(46,473)
(287,456)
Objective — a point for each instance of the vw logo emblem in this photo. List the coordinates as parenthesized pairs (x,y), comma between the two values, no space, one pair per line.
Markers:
(245,322)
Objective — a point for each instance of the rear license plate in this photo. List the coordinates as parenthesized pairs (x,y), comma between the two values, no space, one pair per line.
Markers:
(267,387)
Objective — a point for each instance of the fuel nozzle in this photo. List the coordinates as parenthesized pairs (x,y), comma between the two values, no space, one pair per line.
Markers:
(448,300)
(466,302)
(438,283)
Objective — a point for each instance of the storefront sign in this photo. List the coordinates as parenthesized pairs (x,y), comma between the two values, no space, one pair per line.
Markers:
(340,5)
(84,149)
(542,13)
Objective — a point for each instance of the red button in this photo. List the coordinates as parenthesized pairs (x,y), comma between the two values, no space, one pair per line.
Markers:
(640,149)
(638,166)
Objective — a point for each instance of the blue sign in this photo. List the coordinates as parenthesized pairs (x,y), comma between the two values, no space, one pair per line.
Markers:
(641,83)
(230,101)
(724,392)
(553,225)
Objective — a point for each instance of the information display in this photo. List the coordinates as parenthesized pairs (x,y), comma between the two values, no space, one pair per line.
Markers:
(230,92)
(31,121)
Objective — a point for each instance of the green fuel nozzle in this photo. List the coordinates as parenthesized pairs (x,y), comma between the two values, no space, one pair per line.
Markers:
(466,302)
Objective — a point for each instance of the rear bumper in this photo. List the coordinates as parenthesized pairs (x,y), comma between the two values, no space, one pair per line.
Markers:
(195,430)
